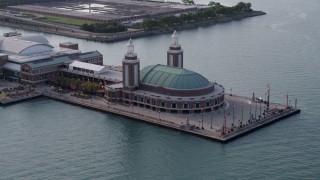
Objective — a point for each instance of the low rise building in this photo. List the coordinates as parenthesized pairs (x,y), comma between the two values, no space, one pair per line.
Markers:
(33,60)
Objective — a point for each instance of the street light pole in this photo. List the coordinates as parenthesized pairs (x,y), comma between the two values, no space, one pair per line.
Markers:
(187,121)
(233,115)
(211,119)
(241,112)
(202,119)
(255,113)
(225,122)
(250,112)
(260,110)
(289,102)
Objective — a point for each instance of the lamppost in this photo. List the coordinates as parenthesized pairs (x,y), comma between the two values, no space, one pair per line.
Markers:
(250,110)
(187,119)
(260,110)
(211,118)
(202,119)
(241,113)
(233,115)
(255,112)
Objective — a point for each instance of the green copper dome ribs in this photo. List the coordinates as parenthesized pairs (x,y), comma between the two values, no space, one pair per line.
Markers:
(172,77)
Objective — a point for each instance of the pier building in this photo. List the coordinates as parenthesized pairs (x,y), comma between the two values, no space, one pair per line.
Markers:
(33,60)
(169,88)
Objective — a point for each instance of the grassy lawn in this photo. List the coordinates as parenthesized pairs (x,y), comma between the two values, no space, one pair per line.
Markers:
(64,20)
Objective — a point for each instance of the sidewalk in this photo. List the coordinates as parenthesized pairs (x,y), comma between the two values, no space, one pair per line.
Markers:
(207,124)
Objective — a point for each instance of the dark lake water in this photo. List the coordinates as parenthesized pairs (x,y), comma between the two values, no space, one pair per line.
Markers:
(45,139)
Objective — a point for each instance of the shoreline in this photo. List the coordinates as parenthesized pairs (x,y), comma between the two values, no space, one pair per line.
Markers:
(113,37)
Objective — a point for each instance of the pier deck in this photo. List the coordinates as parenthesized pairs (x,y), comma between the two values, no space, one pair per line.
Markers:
(207,124)
(19,98)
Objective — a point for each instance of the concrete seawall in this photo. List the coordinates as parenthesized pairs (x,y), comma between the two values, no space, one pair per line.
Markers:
(109,37)
(208,134)
(7,101)
(169,121)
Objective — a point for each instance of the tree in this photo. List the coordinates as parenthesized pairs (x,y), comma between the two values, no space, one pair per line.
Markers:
(243,7)
(187,1)
(150,24)
(208,13)
(211,3)
(186,17)
(103,28)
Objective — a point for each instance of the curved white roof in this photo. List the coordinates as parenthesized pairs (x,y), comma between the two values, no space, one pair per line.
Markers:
(87,66)
(33,38)
(21,45)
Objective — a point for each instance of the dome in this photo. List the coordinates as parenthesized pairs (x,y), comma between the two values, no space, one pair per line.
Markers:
(172,77)
(25,45)
(33,38)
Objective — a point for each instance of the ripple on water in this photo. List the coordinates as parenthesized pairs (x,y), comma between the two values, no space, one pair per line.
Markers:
(46,139)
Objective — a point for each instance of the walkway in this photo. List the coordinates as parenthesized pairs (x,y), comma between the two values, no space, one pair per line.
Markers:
(206,124)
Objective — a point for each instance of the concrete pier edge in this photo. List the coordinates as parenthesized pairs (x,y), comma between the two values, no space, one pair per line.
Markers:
(222,139)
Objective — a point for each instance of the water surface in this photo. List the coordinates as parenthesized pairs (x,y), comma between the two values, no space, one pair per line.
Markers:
(46,139)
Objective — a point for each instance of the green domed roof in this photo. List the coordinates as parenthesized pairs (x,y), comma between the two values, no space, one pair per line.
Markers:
(172,77)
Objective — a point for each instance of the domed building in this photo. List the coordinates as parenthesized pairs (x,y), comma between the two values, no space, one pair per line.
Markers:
(169,88)
(31,59)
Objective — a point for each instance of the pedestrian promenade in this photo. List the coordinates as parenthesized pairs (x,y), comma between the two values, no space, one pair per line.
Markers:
(239,116)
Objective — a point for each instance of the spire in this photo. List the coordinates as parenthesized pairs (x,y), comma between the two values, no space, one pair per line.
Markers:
(174,38)
(130,47)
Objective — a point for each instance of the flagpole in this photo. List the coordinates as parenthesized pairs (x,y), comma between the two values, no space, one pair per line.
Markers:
(260,110)
(287,96)
(250,113)
(233,116)
(225,121)
(268,96)
(241,113)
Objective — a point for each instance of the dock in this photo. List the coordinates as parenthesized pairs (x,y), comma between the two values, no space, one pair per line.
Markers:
(19,98)
(238,117)
(223,125)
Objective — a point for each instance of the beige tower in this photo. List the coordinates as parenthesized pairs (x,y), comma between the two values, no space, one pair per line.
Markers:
(130,68)
(175,53)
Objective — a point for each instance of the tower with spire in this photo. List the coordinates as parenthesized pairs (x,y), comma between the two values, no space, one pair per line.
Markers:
(130,68)
(175,53)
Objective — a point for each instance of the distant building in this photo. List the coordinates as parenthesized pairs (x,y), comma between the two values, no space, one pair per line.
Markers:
(33,60)
(106,11)
(169,88)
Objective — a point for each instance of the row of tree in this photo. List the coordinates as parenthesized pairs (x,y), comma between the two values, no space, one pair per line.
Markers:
(187,1)
(215,10)
(103,28)
(76,84)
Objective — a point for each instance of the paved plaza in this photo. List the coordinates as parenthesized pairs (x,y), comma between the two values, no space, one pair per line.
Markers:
(236,110)
(240,114)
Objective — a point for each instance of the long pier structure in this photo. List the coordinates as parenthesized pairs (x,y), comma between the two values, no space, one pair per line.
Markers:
(165,95)
(239,116)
